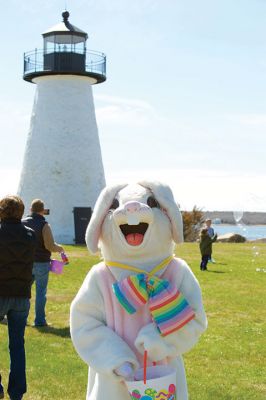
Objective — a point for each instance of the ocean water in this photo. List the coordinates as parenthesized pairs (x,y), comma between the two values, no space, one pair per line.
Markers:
(251,232)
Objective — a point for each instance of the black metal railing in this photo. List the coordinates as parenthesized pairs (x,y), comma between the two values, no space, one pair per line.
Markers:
(37,61)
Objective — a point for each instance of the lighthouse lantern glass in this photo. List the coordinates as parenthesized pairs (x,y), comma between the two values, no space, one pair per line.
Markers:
(64,43)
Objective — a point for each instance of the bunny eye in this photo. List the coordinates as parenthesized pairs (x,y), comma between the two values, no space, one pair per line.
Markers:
(114,205)
(152,202)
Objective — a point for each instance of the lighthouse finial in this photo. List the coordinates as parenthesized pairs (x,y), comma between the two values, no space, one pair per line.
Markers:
(65,16)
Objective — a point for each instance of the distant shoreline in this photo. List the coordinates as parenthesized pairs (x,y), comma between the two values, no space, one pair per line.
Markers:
(250,232)
(227,217)
(223,223)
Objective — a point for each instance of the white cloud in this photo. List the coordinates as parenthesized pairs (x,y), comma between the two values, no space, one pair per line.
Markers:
(137,103)
(14,124)
(9,179)
(122,111)
(258,120)
(207,189)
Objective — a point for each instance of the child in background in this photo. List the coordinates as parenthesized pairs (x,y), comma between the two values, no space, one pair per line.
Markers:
(209,228)
(205,247)
(208,223)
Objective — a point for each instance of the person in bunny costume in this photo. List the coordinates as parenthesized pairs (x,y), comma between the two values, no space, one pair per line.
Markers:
(140,297)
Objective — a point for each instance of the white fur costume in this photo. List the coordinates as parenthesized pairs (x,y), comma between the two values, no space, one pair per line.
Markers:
(104,343)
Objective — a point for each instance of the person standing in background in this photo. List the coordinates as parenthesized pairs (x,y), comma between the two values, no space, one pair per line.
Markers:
(205,248)
(208,223)
(17,248)
(41,267)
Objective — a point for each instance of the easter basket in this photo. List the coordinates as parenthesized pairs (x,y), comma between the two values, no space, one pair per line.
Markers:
(157,382)
(56,266)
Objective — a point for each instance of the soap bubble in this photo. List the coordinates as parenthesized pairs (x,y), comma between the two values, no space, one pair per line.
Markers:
(255,254)
(238,215)
(258,258)
(255,251)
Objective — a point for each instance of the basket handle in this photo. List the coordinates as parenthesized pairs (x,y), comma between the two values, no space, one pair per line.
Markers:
(145,358)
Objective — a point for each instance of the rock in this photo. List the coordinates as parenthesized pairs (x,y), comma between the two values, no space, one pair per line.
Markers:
(231,238)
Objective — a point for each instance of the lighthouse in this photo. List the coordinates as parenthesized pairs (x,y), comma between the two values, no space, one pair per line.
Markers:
(62,162)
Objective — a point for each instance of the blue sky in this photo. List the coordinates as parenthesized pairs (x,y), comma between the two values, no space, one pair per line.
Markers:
(184,100)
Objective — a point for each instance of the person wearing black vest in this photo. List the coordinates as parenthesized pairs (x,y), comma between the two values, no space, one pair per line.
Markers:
(41,267)
(17,247)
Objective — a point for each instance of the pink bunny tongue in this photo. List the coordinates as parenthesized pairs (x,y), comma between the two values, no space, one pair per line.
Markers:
(134,239)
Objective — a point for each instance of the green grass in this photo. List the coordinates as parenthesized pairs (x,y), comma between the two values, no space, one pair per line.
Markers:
(228,362)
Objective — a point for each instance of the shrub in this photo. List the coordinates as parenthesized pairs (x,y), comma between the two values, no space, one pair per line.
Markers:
(192,222)
(232,238)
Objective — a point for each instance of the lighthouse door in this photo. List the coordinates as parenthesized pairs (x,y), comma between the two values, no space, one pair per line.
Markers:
(82,216)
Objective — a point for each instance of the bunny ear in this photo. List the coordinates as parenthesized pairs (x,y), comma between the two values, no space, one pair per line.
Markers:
(165,197)
(101,208)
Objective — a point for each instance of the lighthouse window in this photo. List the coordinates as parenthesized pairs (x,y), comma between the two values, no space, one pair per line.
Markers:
(49,45)
(79,47)
(64,43)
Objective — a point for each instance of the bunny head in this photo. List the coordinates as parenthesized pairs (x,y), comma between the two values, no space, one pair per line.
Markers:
(135,221)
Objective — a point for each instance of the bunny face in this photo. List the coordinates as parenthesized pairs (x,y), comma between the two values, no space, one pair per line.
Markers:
(134,229)
(139,221)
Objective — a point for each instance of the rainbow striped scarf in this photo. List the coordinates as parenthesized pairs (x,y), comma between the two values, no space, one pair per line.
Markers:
(168,307)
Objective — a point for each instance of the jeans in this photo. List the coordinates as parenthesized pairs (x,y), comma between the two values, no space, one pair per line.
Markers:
(1,387)
(204,262)
(40,274)
(16,309)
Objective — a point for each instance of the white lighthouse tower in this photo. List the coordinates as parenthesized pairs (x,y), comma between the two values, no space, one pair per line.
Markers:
(62,162)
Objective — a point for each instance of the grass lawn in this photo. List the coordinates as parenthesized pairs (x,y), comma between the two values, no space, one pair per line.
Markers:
(229,362)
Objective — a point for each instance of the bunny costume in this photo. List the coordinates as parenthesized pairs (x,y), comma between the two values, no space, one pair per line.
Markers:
(134,225)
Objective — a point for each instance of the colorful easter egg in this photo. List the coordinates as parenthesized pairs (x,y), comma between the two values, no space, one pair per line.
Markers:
(146,397)
(151,392)
(135,395)
(162,395)
(172,388)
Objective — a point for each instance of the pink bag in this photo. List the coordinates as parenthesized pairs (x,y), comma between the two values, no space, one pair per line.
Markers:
(56,266)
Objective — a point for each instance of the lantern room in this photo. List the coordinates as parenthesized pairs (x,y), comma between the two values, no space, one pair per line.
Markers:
(64,47)
(64,52)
